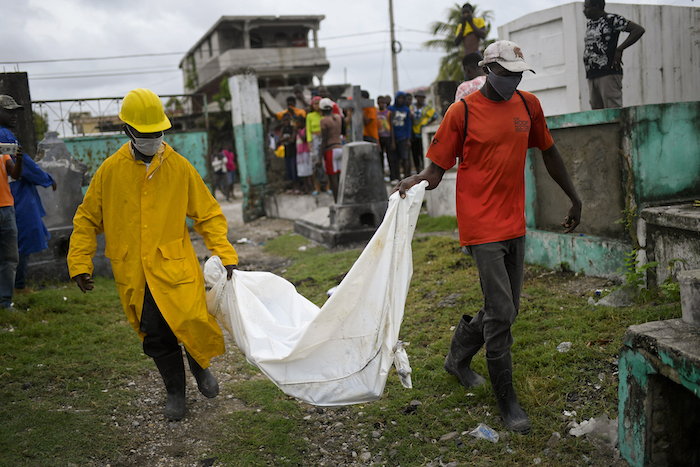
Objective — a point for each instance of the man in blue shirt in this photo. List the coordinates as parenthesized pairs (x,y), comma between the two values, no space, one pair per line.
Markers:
(401,136)
(32,235)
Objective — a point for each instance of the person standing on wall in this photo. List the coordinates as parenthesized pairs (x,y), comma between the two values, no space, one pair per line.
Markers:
(488,135)
(471,31)
(141,197)
(602,57)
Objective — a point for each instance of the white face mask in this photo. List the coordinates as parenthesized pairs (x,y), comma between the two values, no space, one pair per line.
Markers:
(146,146)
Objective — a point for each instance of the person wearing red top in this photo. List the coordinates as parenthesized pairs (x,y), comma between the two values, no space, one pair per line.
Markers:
(500,127)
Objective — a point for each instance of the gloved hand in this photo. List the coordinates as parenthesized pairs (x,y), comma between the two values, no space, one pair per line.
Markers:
(229,270)
(84,281)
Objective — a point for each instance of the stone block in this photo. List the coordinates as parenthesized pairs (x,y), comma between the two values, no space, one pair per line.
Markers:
(659,403)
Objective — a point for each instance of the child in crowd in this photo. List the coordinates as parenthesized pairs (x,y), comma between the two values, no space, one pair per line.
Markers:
(304,166)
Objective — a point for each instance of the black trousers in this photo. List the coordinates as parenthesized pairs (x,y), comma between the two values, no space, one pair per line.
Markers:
(160,340)
(501,271)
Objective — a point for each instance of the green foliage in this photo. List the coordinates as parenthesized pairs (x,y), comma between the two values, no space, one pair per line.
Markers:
(451,63)
(192,81)
(634,274)
(224,94)
(41,125)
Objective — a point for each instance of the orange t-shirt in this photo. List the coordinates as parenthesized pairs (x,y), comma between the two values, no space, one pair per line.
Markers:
(372,128)
(6,198)
(490,176)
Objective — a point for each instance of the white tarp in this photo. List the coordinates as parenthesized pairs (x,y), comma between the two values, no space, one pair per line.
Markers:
(342,352)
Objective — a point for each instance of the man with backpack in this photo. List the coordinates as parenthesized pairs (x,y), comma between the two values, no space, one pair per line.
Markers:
(488,134)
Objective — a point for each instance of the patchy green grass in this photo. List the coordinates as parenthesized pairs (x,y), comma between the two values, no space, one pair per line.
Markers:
(62,359)
(63,364)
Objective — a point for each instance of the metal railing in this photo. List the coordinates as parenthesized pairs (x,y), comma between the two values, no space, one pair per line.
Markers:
(100,115)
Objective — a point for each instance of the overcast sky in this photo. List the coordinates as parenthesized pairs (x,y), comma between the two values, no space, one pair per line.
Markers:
(67,29)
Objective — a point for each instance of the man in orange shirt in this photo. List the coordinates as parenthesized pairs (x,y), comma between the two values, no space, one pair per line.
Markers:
(371,129)
(491,144)
(9,254)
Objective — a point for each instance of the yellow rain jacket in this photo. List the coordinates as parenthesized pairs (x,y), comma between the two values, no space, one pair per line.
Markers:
(141,210)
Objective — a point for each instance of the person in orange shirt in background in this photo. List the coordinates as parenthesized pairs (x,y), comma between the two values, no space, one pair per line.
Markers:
(369,117)
(9,253)
(488,135)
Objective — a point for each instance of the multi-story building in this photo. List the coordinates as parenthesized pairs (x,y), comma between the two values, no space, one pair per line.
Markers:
(276,47)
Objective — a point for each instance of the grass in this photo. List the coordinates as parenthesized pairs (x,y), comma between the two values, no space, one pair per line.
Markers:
(62,360)
(65,362)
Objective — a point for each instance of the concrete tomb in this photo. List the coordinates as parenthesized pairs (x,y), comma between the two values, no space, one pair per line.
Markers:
(60,206)
(362,201)
(659,394)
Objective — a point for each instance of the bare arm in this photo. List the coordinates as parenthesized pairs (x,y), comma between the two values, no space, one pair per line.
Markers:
(14,169)
(460,36)
(557,170)
(480,32)
(432,174)
(635,32)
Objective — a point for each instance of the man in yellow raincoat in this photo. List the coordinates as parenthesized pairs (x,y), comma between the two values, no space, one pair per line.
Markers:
(140,198)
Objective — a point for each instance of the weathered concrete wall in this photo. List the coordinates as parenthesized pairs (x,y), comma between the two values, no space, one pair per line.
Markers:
(658,394)
(250,148)
(591,155)
(618,158)
(671,236)
(665,151)
(17,86)
(93,150)
(663,66)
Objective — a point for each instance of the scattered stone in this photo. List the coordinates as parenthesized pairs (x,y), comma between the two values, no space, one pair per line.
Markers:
(554,440)
(449,436)
(620,297)
(365,456)
(376,434)
(536,461)
(451,301)
(393,452)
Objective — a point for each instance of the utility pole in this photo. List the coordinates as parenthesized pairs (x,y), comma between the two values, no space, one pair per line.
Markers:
(394,71)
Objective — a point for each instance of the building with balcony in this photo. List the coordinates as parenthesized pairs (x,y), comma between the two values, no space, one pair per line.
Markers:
(276,47)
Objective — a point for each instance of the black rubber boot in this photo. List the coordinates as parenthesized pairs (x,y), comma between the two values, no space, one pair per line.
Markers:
(206,382)
(465,344)
(501,373)
(172,369)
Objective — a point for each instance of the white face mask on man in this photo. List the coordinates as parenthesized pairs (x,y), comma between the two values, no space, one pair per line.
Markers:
(146,146)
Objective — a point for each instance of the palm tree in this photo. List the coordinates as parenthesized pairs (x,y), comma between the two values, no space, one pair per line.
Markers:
(451,63)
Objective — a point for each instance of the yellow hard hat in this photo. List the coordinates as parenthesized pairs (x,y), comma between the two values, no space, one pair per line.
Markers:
(143,110)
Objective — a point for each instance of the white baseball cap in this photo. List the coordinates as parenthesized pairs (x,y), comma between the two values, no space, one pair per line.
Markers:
(507,54)
(325,104)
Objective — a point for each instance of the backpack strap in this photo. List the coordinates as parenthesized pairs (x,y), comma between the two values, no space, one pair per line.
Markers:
(466,119)
(526,107)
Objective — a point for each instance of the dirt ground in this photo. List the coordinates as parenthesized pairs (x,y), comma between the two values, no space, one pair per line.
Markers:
(158,442)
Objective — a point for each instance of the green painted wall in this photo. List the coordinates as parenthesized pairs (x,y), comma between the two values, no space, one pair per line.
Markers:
(662,142)
(665,149)
(93,150)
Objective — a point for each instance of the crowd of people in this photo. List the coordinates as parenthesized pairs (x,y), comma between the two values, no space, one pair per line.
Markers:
(310,136)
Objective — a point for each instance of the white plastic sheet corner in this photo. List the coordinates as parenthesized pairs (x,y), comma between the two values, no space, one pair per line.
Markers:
(342,352)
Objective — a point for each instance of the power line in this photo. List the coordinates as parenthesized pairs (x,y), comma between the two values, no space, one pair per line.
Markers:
(90,58)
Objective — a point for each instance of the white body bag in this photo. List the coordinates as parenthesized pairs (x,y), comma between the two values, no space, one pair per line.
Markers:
(342,352)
